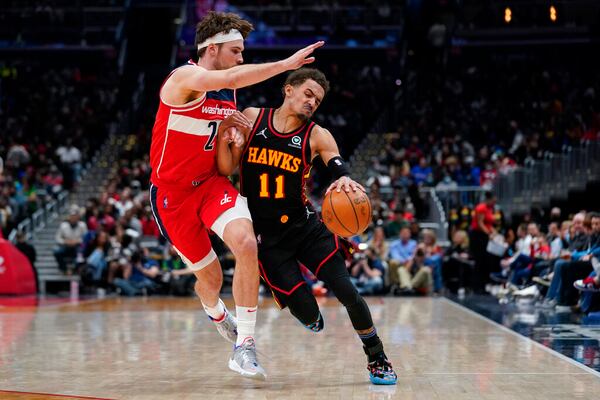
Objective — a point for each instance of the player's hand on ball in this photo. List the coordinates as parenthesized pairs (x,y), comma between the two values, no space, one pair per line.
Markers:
(346,184)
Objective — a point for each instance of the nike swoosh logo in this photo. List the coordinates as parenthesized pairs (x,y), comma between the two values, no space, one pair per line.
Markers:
(251,310)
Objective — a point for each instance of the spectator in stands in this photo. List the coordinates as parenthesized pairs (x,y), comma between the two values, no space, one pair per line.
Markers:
(392,228)
(366,275)
(532,259)
(433,258)
(149,226)
(29,252)
(401,254)
(415,276)
(52,180)
(579,265)
(378,247)
(523,256)
(368,268)
(181,279)
(5,215)
(554,239)
(578,240)
(138,277)
(555,215)
(482,228)
(69,238)
(458,263)
(97,261)
(422,172)
(17,156)
(379,206)
(70,159)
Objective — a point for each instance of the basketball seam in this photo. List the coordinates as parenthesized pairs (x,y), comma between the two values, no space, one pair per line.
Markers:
(335,214)
(370,214)
(354,211)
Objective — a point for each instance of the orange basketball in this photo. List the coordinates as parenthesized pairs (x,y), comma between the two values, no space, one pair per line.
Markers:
(346,214)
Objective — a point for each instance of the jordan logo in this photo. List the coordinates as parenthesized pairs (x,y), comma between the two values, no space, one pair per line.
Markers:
(309,213)
(262,133)
(226,199)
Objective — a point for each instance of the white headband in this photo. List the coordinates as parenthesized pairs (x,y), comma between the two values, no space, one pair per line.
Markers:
(222,37)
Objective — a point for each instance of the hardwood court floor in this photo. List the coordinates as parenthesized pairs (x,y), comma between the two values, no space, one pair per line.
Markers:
(164,348)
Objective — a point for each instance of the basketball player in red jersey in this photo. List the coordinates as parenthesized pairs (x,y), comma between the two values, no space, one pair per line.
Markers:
(274,164)
(187,194)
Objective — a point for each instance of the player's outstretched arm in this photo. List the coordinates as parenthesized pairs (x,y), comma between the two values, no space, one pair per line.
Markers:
(324,145)
(199,79)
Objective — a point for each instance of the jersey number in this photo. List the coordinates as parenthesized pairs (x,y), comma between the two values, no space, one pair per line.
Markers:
(264,186)
(210,144)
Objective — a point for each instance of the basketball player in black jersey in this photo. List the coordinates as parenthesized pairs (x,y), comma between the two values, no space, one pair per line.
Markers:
(275,159)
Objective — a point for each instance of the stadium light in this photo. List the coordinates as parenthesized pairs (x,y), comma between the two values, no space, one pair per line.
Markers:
(507,15)
(553,14)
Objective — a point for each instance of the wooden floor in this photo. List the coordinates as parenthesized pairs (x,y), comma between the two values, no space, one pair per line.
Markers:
(157,348)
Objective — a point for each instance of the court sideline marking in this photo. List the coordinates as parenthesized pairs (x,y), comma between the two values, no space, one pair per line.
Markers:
(64,396)
(537,344)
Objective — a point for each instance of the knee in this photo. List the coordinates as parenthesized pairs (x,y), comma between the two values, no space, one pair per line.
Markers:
(305,309)
(245,245)
(346,293)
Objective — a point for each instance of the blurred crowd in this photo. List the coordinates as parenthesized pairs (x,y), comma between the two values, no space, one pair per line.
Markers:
(50,122)
(460,128)
(41,22)
(114,244)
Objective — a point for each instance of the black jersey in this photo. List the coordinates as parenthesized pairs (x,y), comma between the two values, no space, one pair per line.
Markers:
(273,170)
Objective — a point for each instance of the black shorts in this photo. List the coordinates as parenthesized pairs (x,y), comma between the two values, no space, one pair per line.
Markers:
(308,242)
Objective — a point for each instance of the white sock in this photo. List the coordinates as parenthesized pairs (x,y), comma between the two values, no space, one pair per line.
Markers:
(246,320)
(217,311)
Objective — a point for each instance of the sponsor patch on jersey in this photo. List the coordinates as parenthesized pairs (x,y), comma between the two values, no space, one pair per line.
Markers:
(296,142)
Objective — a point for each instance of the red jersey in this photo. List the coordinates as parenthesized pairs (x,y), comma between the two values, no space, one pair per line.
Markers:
(488,216)
(183,149)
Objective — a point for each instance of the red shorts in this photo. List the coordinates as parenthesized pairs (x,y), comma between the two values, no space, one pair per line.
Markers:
(185,216)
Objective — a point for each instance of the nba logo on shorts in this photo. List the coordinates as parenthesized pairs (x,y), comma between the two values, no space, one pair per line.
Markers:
(165,203)
(226,199)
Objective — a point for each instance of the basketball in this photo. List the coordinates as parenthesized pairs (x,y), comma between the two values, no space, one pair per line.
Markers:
(346,213)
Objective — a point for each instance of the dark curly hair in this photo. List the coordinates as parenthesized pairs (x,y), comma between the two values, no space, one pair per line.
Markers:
(215,22)
(299,76)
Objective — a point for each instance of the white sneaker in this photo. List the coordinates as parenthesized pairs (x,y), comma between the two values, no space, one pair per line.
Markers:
(563,309)
(531,291)
(547,304)
(244,361)
(227,326)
